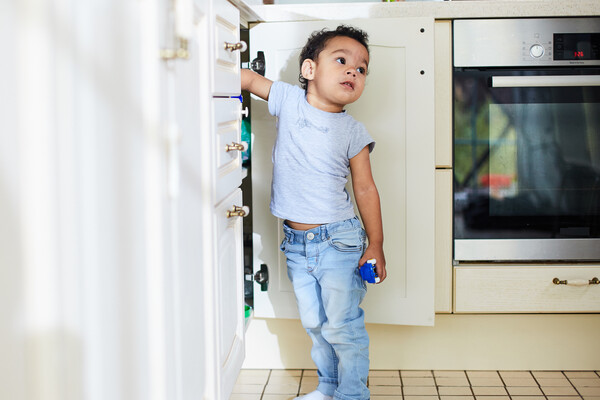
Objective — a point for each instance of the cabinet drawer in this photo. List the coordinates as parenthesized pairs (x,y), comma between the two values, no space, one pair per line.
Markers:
(226,67)
(525,289)
(228,162)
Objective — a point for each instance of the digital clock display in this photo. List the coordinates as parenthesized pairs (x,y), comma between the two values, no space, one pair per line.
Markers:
(577,46)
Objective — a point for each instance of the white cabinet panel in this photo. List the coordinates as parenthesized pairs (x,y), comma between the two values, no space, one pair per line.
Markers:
(230,281)
(226,64)
(227,120)
(443,240)
(397,109)
(443,94)
(522,288)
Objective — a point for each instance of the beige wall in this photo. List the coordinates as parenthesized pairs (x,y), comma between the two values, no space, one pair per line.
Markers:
(464,342)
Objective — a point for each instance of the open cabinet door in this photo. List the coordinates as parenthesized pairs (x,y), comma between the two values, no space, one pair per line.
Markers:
(397,107)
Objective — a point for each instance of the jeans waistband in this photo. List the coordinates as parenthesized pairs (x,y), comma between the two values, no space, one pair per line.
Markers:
(320,233)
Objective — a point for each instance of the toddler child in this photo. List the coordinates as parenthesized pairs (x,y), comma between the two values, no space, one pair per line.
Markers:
(317,145)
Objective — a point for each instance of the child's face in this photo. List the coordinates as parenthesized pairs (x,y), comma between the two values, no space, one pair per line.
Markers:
(338,76)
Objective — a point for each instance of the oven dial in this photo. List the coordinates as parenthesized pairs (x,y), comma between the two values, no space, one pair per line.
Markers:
(536,51)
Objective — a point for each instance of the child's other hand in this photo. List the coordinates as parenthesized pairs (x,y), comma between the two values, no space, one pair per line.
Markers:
(375,252)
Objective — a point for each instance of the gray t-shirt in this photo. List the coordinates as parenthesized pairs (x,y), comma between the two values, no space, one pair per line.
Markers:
(311,158)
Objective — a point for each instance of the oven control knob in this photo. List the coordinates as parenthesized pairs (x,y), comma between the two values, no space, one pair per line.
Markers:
(536,51)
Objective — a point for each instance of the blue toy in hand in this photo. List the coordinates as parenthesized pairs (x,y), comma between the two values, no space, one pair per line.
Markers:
(367,271)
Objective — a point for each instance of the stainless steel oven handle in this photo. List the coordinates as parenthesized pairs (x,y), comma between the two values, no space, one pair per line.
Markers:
(545,80)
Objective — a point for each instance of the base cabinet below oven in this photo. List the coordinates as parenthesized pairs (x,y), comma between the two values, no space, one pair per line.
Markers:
(526,289)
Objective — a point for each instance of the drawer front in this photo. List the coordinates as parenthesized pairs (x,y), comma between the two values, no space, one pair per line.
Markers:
(226,77)
(525,289)
(228,162)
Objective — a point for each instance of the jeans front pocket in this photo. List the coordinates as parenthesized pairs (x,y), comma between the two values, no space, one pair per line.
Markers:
(347,241)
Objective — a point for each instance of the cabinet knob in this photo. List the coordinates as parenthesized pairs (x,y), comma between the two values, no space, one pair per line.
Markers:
(238,211)
(262,277)
(236,146)
(577,282)
(241,46)
(259,64)
(244,112)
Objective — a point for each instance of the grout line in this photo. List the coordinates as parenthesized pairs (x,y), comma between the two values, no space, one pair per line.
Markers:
(578,394)
(401,384)
(437,389)
(538,383)
(266,383)
(504,385)
(470,386)
(530,372)
(300,384)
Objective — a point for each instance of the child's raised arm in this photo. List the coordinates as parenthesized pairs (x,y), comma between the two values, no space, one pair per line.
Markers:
(256,84)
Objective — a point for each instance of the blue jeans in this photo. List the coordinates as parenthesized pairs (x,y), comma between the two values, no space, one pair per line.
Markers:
(323,267)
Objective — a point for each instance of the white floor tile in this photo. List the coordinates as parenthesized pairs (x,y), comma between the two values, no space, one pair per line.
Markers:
(281,389)
(489,391)
(584,382)
(384,381)
(490,381)
(418,381)
(449,374)
(248,389)
(415,373)
(482,374)
(286,372)
(430,385)
(420,391)
(455,391)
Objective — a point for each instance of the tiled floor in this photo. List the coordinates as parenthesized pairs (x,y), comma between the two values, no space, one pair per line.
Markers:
(431,385)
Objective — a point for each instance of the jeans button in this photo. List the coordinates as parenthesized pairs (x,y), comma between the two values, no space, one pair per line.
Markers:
(310,236)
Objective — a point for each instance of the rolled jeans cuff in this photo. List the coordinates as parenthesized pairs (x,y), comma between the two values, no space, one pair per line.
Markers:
(327,386)
(338,396)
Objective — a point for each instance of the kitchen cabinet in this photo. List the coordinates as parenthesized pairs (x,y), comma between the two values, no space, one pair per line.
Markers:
(527,288)
(222,147)
(397,107)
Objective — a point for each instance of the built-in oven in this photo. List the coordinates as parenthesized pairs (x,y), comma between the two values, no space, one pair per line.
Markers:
(527,139)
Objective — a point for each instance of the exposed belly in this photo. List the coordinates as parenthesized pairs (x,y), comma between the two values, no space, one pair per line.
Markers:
(300,226)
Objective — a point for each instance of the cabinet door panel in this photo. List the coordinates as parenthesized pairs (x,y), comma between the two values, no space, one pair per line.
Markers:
(226,66)
(230,280)
(397,109)
(229,163)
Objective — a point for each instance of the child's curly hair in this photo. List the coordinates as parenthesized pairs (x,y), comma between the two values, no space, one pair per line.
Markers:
(317,40)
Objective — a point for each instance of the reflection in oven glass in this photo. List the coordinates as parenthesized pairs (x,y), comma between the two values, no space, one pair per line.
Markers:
(525,169)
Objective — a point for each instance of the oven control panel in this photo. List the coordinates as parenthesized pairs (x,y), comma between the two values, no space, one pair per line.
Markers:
(526,42)
(577,46)
(536,50)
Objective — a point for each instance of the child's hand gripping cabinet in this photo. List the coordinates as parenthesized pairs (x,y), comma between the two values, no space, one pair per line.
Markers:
(367,271)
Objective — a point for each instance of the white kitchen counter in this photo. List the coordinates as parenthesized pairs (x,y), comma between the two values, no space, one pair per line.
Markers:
(436,9)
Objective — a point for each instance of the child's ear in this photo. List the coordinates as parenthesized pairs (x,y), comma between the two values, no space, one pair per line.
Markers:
(308,69)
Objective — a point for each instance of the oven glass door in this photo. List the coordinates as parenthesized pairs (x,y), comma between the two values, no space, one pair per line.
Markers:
(527,164)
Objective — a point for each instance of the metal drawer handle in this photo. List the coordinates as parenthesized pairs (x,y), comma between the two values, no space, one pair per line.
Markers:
(241,46)
(236,146)
(577,282)
(238,211)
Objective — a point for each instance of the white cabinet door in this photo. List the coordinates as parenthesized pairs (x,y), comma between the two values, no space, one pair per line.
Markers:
(224,271)
(397,108)
(230,285)
(227,127)
(226,63)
